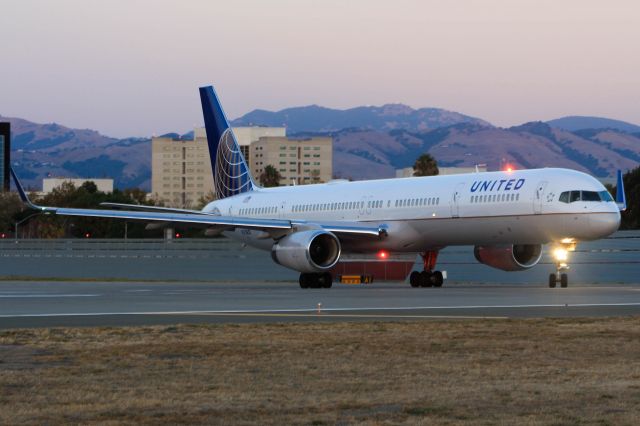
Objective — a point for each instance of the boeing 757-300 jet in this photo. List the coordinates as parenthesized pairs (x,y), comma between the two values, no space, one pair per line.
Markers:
(506,215)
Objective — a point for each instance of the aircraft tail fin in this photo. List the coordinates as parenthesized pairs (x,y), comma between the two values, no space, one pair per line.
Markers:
(231,174)
(621,198)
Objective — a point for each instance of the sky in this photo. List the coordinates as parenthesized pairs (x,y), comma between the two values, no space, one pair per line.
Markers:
(132,67)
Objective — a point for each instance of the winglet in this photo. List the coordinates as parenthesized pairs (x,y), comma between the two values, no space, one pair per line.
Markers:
(23,194)
(621,198)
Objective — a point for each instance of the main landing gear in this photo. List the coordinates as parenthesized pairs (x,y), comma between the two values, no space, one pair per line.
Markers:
(320,280)
(428,277)
(560,255)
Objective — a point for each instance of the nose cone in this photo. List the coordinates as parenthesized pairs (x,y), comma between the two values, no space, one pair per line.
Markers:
(604,224)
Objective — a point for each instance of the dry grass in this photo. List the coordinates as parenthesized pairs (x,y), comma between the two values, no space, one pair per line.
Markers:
(437,372)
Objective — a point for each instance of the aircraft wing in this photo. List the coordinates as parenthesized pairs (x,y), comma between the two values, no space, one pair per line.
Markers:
(275,227)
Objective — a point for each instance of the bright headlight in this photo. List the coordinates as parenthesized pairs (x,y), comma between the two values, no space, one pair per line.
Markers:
(560,254)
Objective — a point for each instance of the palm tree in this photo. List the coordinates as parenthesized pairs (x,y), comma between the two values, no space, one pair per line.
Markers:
(425,165)
(270,177)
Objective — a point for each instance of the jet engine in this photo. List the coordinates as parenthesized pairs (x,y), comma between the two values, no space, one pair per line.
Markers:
(509,257)
(307,251)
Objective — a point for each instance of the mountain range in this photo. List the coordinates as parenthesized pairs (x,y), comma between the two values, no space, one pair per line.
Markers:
(369,142)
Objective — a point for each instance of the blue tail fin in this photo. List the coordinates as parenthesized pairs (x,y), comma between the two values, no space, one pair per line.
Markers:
(621,198)
(231,174)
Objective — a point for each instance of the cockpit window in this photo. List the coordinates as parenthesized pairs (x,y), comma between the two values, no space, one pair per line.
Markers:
(571,196)
(605,196)
(564,197)
(590,196)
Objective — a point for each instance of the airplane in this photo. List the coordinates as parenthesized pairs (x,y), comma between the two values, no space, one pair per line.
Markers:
(506,215)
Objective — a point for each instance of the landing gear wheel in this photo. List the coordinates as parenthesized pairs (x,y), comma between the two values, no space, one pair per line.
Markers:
(304,281)
(414,279)
(326,280)
(425,279)
(564,280)
(437,279)
(552,280)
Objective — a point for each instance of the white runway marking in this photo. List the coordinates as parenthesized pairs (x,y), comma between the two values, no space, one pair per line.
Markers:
(20,296)
(305,310)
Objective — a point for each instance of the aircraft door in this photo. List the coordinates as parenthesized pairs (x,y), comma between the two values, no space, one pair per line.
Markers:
(455,200)
(283,207)
(539,197)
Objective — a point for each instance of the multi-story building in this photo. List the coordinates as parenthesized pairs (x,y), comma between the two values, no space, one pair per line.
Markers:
(299,161)
(5,153)
(247,135)
(181,170)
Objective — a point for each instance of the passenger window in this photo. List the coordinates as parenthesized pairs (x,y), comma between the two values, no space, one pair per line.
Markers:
(575,196)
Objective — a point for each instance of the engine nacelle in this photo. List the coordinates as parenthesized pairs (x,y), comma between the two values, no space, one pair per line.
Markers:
(509,257)
(307,251)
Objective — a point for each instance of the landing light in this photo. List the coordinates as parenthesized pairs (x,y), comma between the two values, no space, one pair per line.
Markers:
(560,254)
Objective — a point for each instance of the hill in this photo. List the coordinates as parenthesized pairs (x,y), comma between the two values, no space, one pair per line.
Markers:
(315,118)
(44,150)
(574,123)
(364,154)
(370,147)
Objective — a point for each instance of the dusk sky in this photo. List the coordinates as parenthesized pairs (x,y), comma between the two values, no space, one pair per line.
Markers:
(132,67)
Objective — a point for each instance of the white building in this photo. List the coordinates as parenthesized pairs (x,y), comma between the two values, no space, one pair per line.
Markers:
(408,171)
(49,184)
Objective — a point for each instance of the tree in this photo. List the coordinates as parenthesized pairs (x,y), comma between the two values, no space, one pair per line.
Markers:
(270,177)
(631,217)
(425,165)
(205,199)
(10,207)
(87,196)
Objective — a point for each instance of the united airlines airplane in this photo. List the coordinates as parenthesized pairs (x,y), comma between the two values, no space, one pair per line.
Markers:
(506,215)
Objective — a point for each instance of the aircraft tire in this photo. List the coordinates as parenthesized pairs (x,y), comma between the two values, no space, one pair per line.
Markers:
(437,279)
(564,280)
(552,280)
(326,280)
(425,279)
(414,279)
(304,281)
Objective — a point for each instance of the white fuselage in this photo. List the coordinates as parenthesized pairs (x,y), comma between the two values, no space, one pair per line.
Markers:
(426,213)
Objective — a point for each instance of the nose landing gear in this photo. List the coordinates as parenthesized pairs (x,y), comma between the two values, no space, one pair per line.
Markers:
(558,276)
(560,256)
(428,277)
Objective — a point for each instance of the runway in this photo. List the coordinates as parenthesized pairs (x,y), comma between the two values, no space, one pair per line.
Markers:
(63,303)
